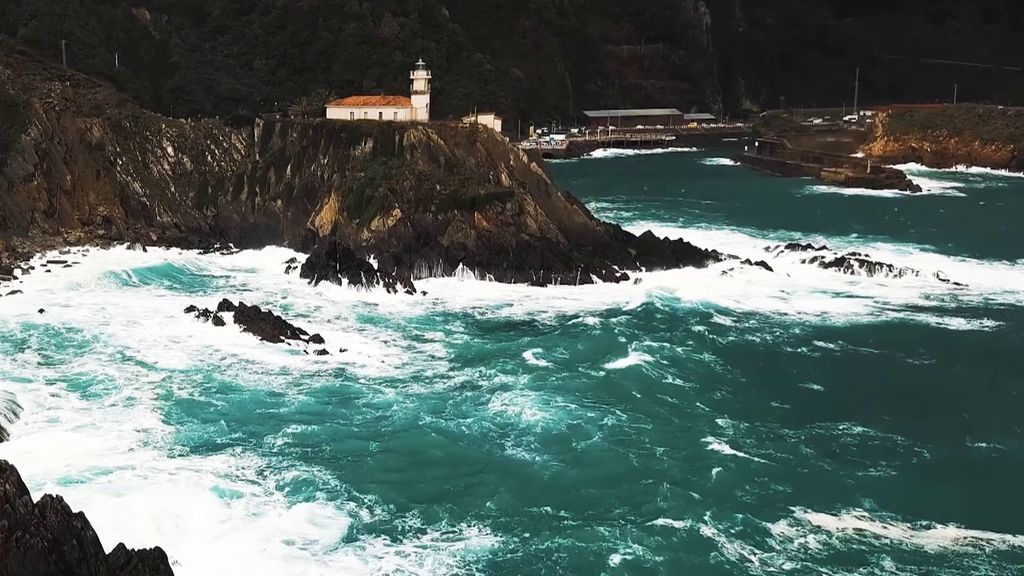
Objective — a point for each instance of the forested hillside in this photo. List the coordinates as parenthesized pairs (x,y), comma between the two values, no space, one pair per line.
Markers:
(537,60)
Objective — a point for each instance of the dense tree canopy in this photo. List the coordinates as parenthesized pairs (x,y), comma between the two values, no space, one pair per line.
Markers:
(533,60)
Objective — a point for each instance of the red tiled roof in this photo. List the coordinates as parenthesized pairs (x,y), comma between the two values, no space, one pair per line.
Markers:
(372,102)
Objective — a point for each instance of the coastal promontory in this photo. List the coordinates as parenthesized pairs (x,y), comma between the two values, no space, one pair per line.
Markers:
(373,203)
(948,136)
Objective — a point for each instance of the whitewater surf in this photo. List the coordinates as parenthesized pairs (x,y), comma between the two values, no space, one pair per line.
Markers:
(725,420)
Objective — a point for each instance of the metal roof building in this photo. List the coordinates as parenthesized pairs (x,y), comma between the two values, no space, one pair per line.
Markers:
(630,117)
(632,112)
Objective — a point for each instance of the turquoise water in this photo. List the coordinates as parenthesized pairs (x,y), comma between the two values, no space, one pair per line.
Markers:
(723,421)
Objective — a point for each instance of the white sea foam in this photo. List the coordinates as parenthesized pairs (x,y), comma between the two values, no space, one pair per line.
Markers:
(806,543)
(928,188)
(962,169)
(635,358)
(720,446)
(255,277)
(925,535)
(115,456)
(531,358)
(670,523)
(523,405)
(804,291)
(212,514)
(796,290)
(719,162)
(625,152)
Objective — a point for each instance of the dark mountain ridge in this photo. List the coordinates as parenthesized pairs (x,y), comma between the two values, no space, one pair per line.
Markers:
(536,61)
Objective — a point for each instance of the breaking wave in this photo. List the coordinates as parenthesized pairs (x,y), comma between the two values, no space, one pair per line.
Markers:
(625,153)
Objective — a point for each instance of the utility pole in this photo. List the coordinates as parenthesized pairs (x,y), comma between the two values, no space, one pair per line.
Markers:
(64,52)
(956,90)
(856,93)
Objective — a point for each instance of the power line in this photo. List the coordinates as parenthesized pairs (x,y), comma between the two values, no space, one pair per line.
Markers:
(955,63)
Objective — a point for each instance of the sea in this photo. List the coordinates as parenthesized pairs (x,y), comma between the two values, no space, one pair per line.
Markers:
(722,421)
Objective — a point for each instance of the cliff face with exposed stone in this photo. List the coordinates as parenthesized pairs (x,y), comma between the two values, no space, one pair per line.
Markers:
(944,137)
(374,202)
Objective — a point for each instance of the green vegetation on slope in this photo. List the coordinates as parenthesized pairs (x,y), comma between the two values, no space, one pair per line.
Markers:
(535,60)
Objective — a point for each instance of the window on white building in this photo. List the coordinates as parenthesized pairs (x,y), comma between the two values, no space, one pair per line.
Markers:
(366,115)
(351,115)
(380,115)
(396,115)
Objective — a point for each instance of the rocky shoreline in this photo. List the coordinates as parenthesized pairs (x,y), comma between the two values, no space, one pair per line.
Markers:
(950,136)
(46,538)
(373,204)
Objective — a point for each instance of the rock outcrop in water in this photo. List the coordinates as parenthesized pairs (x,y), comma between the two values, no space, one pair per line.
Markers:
(263,324)
(854,263)
(46,538)
(374,203)
(949,136)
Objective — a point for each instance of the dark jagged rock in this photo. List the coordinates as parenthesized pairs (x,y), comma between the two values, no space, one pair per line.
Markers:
(653,253)
(221,249)
(342,350)
(42,310)
(226,305)
(339,264)
(797,247)
(373,204)
(321,353)
(47,539)
(263,324)
(56,262)
(14,292)
(759,264)
(144,562)
(291,265)
(266,325)
(857,266)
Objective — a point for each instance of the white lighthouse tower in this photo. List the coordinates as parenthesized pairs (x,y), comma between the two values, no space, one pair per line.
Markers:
(420,77)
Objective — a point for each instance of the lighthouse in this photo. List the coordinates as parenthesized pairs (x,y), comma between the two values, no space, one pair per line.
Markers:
(420,92)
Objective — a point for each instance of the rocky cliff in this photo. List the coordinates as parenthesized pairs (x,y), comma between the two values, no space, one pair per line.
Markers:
(374,202)
(46,538)
(947,136)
